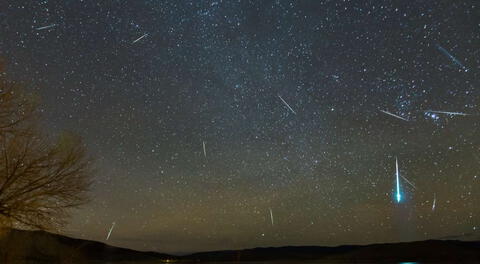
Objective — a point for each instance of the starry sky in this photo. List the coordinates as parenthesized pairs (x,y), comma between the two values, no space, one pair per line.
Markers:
(241,123)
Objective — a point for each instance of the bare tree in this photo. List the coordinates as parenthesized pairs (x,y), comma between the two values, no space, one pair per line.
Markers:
(40,180)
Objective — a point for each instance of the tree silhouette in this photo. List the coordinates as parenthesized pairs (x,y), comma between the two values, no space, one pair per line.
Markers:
(40,180)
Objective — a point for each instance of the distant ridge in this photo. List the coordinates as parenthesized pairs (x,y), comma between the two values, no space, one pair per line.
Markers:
(19,246)
(437,251)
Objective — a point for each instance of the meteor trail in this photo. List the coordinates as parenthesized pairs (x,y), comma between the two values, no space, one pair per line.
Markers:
(447,113)
(204,150)
(110,232)
(444,51)
(46,27)
(144,35)
(271,215)
(409,182)
(399,196)
(286,104)
(434,200)
(394,115)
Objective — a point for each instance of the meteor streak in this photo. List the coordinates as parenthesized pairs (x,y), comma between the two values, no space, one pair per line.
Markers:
(444,51)
(286,104)
(46,27)
(204,150)
(447,113)
(144,35)
(394,115)
(409,182)
(110,232)
(434,200)
(271,215)
(399,196)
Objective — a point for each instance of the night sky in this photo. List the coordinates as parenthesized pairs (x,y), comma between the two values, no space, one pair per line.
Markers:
(237,124)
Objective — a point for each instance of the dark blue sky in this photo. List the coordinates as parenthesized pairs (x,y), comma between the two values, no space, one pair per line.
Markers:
(215,72)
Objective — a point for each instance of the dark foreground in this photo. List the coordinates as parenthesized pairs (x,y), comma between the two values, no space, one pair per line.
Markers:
(17,246)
